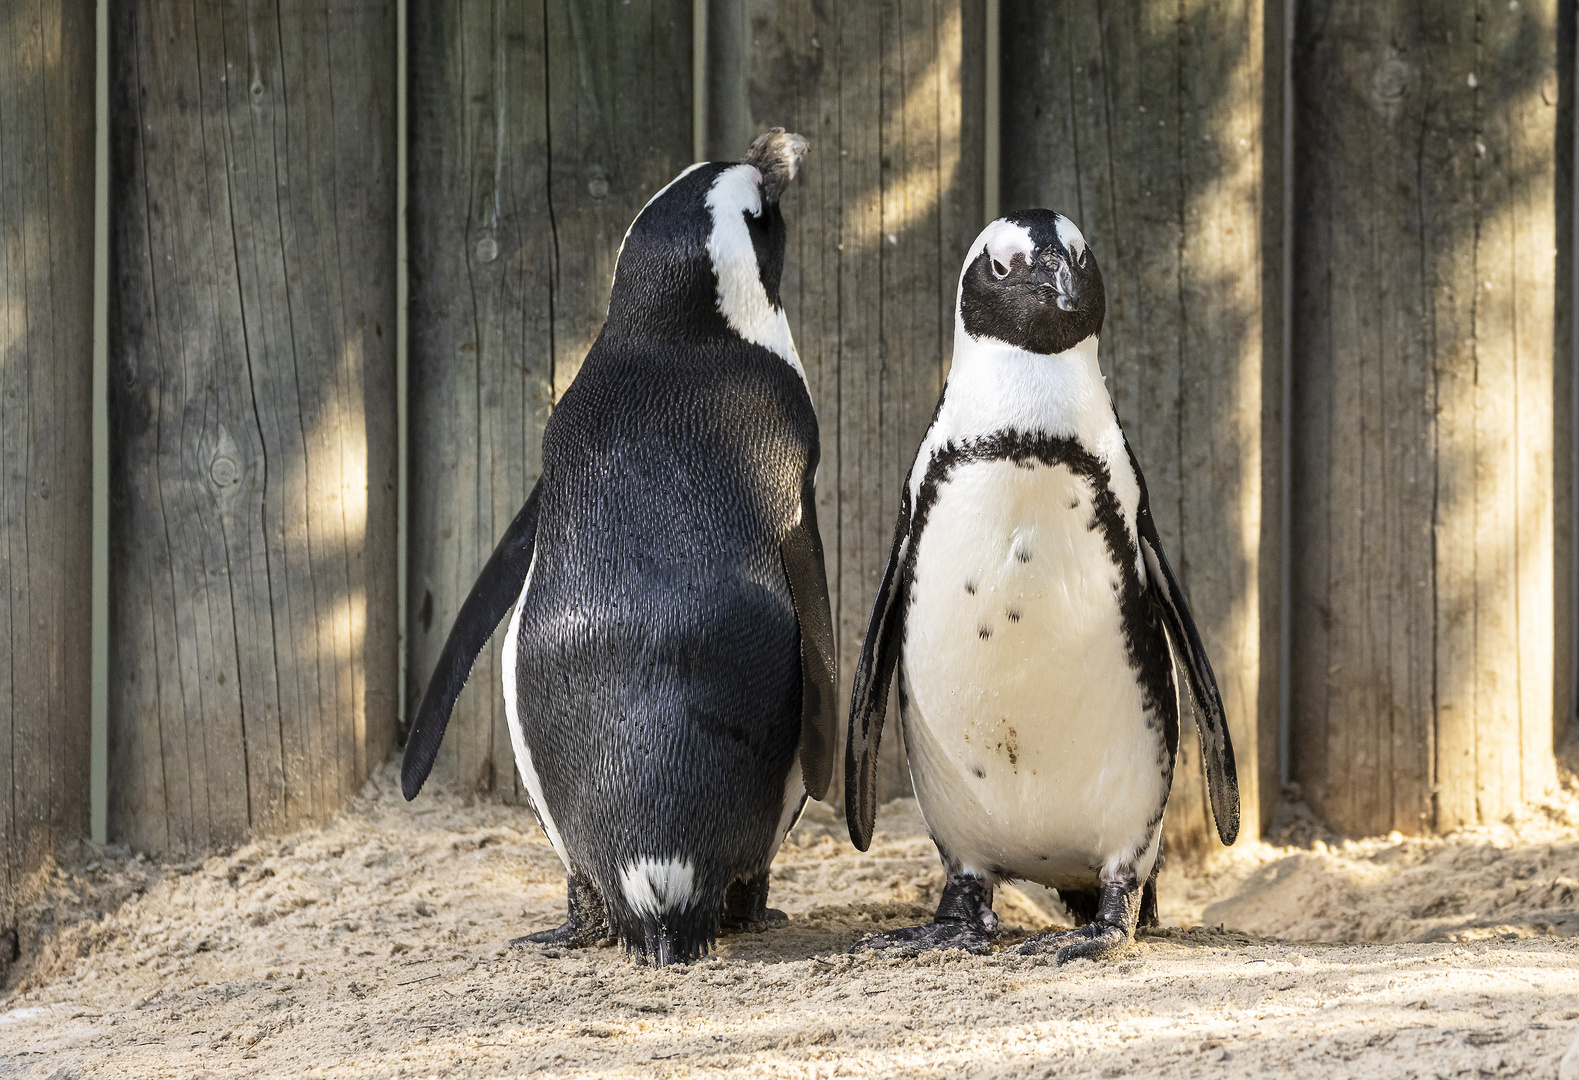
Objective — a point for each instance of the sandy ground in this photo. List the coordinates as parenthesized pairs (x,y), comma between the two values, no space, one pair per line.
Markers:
(377,946)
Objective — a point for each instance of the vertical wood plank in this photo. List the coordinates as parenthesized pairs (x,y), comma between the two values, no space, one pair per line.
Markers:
(252,414)
(889,95)
(1143,124)
(46,375)
(538,132)
(1423,326)
(1517,243)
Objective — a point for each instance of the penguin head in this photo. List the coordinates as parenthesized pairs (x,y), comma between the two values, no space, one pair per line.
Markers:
(705,255)
(1030,281)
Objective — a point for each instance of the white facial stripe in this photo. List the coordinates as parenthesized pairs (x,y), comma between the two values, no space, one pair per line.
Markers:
(657,886)
(741,298)
(1069,235)
(1002,241)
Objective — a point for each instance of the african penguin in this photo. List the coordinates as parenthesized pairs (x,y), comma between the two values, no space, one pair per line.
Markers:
(1029,610)
(668,667)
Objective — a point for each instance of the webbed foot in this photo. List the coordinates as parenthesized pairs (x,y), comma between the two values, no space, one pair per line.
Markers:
(586,921)
(964,920)
(933,937)
(746,908)
(1111,925)
(1093,941)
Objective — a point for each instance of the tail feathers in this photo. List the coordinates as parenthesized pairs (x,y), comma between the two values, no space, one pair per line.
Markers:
(663,910)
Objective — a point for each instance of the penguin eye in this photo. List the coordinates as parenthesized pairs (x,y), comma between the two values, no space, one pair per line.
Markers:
(999,270)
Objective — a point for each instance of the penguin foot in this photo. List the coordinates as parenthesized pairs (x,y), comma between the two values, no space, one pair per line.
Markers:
(766,919)
(1112,922)
(746,908)
(934,937)
(586,920)
(964,920)
(568,933)
(1093,941)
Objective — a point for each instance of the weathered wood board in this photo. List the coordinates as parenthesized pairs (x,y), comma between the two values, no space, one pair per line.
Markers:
(46,382)
(1142,124)
(252,412)
(1423,655)
(889,198)
(537,134)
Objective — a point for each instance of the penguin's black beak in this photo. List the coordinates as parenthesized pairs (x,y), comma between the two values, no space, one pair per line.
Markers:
(1054,275)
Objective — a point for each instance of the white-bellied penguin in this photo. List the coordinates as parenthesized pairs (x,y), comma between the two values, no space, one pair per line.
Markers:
(668,668)
(1030,610)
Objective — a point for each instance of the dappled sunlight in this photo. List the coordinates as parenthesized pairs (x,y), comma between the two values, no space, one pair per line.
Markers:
(380,942)
(906,196)
(1494,510)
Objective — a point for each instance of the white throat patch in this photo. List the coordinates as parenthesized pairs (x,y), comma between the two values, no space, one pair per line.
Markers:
(741,298)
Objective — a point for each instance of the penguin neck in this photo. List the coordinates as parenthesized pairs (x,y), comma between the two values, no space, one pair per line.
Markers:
(994,387)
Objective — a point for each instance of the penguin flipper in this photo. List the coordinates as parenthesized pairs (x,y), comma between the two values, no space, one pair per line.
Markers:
(869,696)
(801,552)
(491,597)
(1217,750)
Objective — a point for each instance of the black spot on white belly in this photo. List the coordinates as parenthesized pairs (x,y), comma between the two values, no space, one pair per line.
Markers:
(984,632)
(1014,616)
(981,774)
(1023,554)
(970,587)
(1074,504)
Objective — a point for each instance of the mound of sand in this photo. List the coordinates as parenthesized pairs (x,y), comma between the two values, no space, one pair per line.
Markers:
(378,945)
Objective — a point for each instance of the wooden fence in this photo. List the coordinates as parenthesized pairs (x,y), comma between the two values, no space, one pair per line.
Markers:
(1333,337)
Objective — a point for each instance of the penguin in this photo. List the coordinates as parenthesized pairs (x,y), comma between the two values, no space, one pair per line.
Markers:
(668,670)
(1033,619)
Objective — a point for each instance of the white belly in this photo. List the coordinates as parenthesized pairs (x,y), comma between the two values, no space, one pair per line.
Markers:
(1027,732)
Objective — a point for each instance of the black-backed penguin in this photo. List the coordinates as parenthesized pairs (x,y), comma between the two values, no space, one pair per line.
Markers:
(668,669)
(1029,610)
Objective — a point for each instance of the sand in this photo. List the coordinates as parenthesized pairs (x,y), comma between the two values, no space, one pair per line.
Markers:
(378,946)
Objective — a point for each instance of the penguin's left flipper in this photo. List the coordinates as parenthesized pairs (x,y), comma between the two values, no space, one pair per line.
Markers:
(586,919)
(1217,750)
(801,552)
(491,597)
(1118,912)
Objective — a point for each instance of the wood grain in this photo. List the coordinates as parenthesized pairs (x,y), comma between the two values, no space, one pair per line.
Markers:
(1143,125)
(889,198)
(252,414)
(537,134)
(1423,652)
(46,379)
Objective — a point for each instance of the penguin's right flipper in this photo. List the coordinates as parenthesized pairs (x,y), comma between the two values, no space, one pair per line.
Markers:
(869,696)
(801,552)
(491,597)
